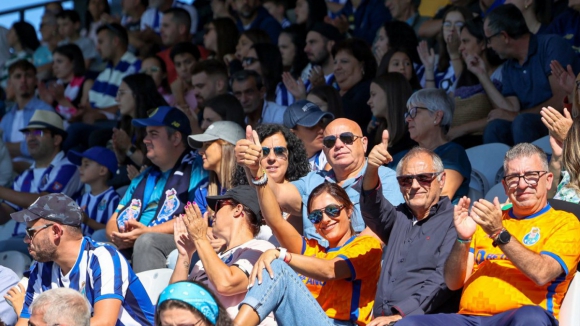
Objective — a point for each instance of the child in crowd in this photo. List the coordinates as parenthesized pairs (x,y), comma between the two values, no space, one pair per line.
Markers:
(69,27)
(97,166)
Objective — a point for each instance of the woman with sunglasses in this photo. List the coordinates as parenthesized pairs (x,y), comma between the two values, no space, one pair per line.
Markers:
(429,114)
(237,221)
(330,279)
(190,303)
(155,67)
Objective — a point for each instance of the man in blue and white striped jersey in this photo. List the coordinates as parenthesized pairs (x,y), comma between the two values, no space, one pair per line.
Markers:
(64,258)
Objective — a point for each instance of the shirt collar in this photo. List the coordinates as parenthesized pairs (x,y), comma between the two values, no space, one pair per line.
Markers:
(57,158)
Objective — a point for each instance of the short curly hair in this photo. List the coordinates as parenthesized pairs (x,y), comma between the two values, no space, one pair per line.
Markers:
(298,165)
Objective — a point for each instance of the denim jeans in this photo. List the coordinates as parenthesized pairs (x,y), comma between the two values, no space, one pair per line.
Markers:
(289,299)
(525,128)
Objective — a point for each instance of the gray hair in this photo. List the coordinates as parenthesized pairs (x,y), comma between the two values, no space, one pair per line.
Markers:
(63,306)
(525,150)
(435,100)
(416,151)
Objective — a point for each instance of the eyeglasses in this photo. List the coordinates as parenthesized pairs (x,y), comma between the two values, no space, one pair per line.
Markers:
(34,132)
(488,39)
(412,113)
(279,151)
(30,232)
(221,203)
(578,84)
(150,70)
(448,24)
(331,211)
(530,177)
(422,178)
(346,137)
(249,60)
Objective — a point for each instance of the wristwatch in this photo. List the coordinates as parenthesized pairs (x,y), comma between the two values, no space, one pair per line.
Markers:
(131,150)
(502,238)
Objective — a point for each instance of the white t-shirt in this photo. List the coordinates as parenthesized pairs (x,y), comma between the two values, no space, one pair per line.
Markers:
(17,136)
(243,256)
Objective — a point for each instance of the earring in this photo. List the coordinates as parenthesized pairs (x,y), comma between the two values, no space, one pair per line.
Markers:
(435,122)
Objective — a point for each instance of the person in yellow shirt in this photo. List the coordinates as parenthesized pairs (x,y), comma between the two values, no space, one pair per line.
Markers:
(515,265)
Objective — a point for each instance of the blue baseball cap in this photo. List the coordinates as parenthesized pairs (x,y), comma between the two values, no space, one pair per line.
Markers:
(304,113)
(166,116)
(101,155)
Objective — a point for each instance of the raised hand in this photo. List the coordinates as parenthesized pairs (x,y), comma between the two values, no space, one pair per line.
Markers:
(557,124)
(15,297)
(379,155)
(453,43)
(195,222)
(566,77)
(475,64)
(557,147)
(426,55)
(263,263)
(488,215)
(295,87)
(249,151)
(464,223)
(317,76)
(184,243)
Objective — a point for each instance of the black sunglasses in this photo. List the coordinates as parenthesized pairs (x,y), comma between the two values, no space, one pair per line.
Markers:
(346,137)
(221,203)
(331,211)
(249,60)
(278,151)
(30,232)
(423,178)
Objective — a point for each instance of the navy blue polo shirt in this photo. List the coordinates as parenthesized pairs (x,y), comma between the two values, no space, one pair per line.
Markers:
(529,82)
(567,25)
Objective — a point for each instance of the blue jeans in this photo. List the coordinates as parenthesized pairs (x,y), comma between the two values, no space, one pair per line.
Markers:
(289,299)
(524,316)
(525,128)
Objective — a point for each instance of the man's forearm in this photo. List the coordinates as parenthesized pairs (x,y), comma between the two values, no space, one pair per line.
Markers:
(456,266)
(22,199)
(541,269)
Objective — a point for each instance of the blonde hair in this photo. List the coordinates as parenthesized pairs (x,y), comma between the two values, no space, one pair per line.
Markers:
(571,156)
(227,168)
(575,104)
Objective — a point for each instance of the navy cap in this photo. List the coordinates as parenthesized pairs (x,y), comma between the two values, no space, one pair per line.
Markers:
(101,155)
(166,116)
(245,195)
(304,113)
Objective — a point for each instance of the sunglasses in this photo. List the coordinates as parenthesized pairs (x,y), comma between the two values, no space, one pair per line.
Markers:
(346,137)
(221,203)
(249,60)
(331,211)
(279,151)
(33,132)
(30,232)
(423,178)
(150,70)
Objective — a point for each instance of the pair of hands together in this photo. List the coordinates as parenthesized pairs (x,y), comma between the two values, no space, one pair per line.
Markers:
(192,227)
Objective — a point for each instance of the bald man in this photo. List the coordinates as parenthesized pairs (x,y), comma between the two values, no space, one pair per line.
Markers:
(345,148)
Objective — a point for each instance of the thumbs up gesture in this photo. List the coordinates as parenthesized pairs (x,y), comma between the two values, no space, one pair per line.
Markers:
(379,154)
(249,151)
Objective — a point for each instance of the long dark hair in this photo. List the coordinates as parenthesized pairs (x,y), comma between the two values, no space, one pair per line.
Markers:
(89,18)
(444,57)
(397,90)
(228,107)
(332,98)
(26,36)
(227,36)
(74,54)
(402,36)
(163,67)
(257,36)
(384,67)
(298,165)
(271,63)
(297,35)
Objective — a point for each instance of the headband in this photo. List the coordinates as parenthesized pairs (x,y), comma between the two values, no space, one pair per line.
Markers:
(194,295)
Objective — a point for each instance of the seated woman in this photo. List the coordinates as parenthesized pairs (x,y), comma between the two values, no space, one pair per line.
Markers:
(237,221)
(190,303)
(429,114)
(245,42)
(389,95)
(399,60)
(155,67)
(221,35)
(223,107)
(483,74)
(334,285)
(396,35)
(216,147)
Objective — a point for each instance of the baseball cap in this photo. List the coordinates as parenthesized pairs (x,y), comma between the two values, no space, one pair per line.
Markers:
(330,32)
(54,207)
(304,113)
(245,195)
(42,119)
(166,116)
(224,130)
(101,155)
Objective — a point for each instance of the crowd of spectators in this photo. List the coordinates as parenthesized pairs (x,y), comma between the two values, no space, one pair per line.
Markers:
(293,162)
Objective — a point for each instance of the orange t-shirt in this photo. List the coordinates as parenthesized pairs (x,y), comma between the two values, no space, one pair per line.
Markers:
(348,299)
(496,285)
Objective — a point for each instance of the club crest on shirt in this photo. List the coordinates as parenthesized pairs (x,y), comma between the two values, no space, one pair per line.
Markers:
(132,212)
(532,237)
(102,205)
(170,205)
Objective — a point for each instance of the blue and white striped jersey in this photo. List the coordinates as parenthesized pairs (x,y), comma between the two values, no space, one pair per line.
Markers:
(99,208)
(100,273)
(104,90)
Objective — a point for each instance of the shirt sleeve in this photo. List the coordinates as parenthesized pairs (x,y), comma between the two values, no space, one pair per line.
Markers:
(363,256)
(564,241)
(455,158)
(507,89)
(250,256)
(110,274)
(390,186)
(147,18)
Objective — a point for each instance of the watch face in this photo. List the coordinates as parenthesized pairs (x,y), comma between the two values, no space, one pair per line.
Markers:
(504,237)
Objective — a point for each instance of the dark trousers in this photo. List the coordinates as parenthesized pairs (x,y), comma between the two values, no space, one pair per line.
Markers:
(525,128)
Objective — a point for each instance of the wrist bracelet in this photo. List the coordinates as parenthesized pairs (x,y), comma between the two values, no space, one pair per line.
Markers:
(258,178)
(463,240)
(262,181)
(288,258)
(282,255)
(494,235)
